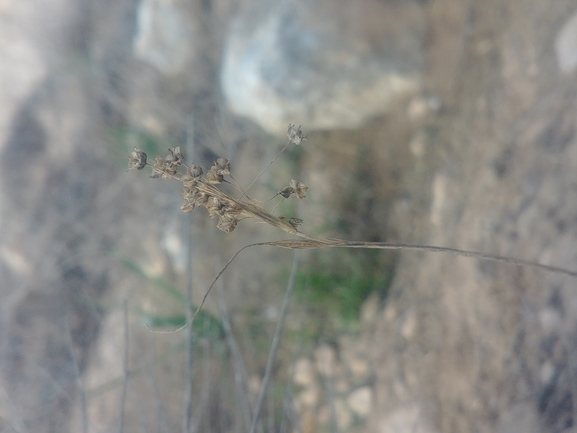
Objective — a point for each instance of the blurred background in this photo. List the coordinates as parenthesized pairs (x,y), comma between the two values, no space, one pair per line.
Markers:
(438,122)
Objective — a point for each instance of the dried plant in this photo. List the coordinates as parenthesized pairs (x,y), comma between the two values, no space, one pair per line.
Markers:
(204,191)
(295,135)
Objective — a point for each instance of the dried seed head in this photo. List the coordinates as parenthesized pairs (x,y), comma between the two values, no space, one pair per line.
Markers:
(214,207)
(227,223)
(189,189)
(194,170)
(175,155)
(295,222)
(188,206)
(221,166)
(158,167)
(171,162)
(295,135)
(287,191)
(169,172)
(136,160)
(188,181)
(232,209)
(201,198)
(213,177)
(300,189)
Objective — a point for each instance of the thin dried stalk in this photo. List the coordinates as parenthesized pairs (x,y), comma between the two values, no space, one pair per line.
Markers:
(238,366)
(275,343)
(81,389)
(187,412)
(321,243)
(122,416)
(310,243)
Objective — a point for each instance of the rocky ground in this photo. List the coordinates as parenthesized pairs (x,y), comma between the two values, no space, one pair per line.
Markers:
(477,152)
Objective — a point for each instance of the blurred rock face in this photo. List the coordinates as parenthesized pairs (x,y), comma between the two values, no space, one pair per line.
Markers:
(566,46)
(164,34)
(323,64)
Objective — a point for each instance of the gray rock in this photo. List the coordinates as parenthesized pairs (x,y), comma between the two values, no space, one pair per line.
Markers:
(566,46)
(323,64)
(360,401)
(164,35)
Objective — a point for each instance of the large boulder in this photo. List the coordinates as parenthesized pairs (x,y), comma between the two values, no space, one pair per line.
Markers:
(164,34)
(323,64)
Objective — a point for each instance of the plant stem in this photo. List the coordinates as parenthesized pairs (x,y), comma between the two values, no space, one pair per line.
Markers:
(275,341)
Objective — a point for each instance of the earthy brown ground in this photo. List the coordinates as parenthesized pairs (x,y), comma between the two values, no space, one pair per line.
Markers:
(460,345)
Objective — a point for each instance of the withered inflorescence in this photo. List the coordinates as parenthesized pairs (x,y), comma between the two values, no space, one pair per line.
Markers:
(202,190)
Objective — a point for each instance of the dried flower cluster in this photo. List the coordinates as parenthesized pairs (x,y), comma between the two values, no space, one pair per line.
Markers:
(296,187)
(201,190)
(295,135)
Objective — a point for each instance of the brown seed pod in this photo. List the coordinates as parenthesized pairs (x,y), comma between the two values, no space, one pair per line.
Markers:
(213,177)
(175,155)
(287,191)
(227,223)
(188,206)
(299,188)
(295,222)
(201,198)
(136,160)
(194,171)
(221,166)
(214,207)
(158,167)
(295,135)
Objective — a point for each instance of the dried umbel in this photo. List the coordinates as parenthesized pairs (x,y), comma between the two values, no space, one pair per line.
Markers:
(136,160)
(296,188)
(205,191)
(295,135)
(221,166)
(300,189)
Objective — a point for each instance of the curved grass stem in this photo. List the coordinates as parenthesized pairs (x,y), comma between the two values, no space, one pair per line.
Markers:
(309,242)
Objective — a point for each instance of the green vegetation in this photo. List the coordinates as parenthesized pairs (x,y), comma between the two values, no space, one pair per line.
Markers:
(205,325)
(336,282)
(124,140)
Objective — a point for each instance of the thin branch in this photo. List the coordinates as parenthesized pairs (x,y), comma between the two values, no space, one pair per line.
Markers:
(275,342)
(288,399)
(187,411)
(188,322)
(308,242)
(330,391)
(81,390)
(264,169)
(124,368)
(239,370)
(320,243)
